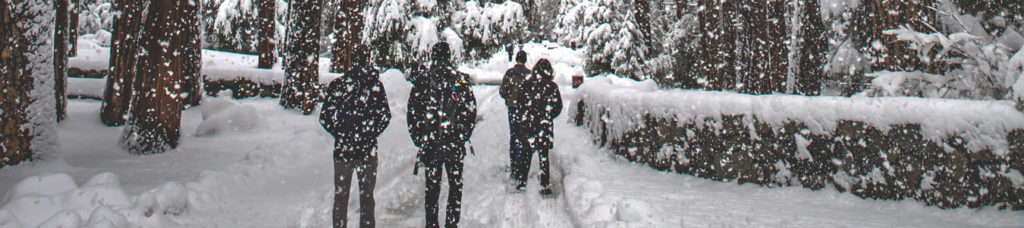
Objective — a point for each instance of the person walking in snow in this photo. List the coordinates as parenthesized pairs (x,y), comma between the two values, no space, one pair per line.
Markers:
(540,103)
(510,91)
(355,112)
(441,118)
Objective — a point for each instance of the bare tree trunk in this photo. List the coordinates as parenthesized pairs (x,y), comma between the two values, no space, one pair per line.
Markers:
(76,8)
(266,34)
(301,89)
(711,31)
(192,54)
(752,52)
(60,56)
(156,109)
(813,48)
(27,115)
(123,59)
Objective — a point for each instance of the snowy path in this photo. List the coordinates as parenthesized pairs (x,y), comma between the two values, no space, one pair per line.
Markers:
(266,167)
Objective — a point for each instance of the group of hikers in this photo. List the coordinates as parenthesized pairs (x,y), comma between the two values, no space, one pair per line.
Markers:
(441,118)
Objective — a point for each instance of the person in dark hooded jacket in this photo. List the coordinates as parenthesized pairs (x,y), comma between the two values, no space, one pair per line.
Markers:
(355,112)
(540,103)
(441,118)
(509,90)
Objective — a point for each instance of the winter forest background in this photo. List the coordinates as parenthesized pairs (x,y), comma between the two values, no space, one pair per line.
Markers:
(692,64)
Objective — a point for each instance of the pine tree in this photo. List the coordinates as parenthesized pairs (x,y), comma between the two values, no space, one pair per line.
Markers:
(267,10)
(60,55)
(301,88)
(885,52)
(192,54)
(123,61)
(717,41)
(155,121)
(28,114)
(778,52)
(348,28)
(610,33)
(76,8)
(813,48)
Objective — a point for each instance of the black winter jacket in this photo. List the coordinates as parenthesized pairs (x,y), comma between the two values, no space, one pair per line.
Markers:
(540,103)
(442,113)
(355,111)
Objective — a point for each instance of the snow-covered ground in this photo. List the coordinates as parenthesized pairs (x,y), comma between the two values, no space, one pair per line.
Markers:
(249,163)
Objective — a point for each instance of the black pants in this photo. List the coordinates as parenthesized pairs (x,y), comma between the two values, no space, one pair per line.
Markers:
(434,170)
(522,172)
(366,171)
(516,154)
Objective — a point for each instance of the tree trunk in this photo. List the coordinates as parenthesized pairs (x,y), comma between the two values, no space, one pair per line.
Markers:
(123,59)
(27,115)
(348,28)
(753,51)
(643,22)
(778,53)
(266,34)
(156,109)
(76,8)
(192,55)
(301,88)
(813,47)
(60,56)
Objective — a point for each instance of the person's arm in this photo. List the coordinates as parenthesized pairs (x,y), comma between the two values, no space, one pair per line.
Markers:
(504,89)
(555,101)
(382,112)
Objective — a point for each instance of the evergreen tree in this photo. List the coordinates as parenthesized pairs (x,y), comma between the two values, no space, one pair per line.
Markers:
(301,87)
(813,45)
(155,120)
(267,10)
(123,61)
(348,28)
(608,29)
(191,54)
(28,114)
(60,55)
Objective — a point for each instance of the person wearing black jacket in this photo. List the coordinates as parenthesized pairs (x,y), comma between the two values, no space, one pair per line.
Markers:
(509,90)
(540,103)
(441,118)
(355,112)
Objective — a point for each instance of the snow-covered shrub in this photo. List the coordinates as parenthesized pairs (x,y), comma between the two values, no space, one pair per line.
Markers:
(95,16)
(401,32)
(606,29)
(982,67)
(230,25)
(487,29)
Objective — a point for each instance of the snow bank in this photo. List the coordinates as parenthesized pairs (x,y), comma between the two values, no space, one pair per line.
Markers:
(221,115)
(983,124)
(947,153)
(86,88)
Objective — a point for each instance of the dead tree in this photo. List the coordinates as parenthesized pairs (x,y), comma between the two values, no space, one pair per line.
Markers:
(155,120)
(301,88)
(27,112)
(123,60)
(265,47)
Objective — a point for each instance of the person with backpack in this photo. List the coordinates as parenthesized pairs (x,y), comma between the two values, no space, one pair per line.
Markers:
(355,112)
(441,118)
(510,91)
(540,102)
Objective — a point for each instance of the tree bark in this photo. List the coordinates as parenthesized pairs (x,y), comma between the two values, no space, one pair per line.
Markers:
(17,83)
(813,47)
(266,34)
(27,112)
(778,53)
(76,8)
(192,54)
(348,30)
(123,60)
(154,125)
(60,56)
(718,42)
(301,89)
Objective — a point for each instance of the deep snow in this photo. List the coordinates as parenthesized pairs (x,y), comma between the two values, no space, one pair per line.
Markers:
(249,163)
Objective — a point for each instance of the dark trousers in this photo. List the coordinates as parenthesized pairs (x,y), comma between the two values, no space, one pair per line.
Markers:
(366,171)
(522,172)
(515,150)
(434,170)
